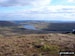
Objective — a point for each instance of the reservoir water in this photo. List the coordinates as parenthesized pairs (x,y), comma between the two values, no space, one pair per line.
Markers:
(30,27)
(27,26)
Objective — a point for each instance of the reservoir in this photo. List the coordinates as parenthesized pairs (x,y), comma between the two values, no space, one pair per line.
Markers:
(30,27)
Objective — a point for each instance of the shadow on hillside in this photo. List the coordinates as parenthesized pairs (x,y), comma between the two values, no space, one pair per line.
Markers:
(64,27)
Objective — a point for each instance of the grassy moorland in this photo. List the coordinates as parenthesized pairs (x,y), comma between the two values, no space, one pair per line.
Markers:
(36,44)
(18,41)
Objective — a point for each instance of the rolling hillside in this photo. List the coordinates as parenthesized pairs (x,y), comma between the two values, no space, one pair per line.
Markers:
(15,40)
(11,28)
(7,24)
(49,26)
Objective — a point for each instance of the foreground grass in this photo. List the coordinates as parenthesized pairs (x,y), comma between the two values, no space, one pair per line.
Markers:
(36,44)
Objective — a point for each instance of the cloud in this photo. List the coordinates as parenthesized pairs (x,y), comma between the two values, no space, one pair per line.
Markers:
(41,10)
(24,2)
(71,1)
(41,13)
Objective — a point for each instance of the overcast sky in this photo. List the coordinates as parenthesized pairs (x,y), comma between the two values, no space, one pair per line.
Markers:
(37,10)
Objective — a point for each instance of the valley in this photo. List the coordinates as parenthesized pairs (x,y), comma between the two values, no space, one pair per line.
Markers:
(24,38)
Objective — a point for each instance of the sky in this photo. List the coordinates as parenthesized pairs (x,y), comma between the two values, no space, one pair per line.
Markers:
(60,10)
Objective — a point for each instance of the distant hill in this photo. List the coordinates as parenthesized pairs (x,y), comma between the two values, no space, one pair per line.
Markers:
(7,24)
(50,26)
(11,28)
(60,27)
